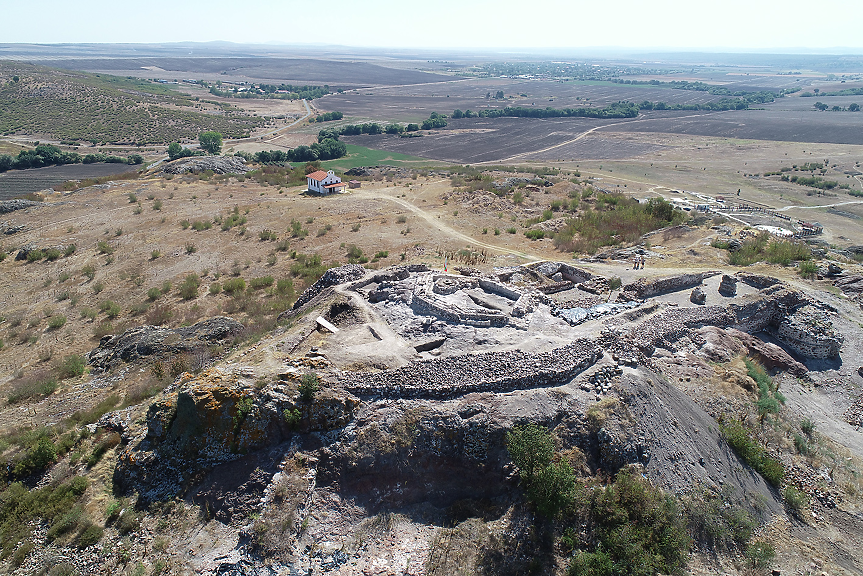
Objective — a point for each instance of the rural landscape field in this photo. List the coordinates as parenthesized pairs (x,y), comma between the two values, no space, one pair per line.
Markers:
(282,310)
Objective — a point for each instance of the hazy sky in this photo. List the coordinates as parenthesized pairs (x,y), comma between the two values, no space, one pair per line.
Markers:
(740,24)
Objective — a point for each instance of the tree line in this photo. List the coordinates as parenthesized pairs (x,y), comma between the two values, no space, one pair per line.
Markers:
(329,117)
(48,155)
(281,91)
(435,120)
(328,149)
(614,110)
(759,97)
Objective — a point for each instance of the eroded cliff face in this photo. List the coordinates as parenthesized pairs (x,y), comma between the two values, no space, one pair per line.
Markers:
(214,418)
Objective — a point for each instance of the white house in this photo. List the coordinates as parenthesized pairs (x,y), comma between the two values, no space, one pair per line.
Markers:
(325,182)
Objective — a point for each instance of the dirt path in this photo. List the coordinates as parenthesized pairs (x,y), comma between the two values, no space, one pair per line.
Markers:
(440,226)
(819,206)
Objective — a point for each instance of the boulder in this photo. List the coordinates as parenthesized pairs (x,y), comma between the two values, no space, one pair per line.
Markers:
(698,296)
(770,355)
(728,285)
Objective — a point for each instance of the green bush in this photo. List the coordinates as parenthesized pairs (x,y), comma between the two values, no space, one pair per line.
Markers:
(234,285)
(90,535)
(535,234)
(796,500)
(262,282)
(189,287)
(70,249)
(56,322)
(636,530)
(52,254)
(808,426)
(215,289)
(38,385)
(104,248)
(110,308)
(807,269)
(531,447)
(615,282)
(760,553)
(153,294)
(35,255)
(72,366)
(715,522)
(309,386)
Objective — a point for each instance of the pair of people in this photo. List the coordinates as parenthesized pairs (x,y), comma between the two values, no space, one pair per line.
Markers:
(638,262)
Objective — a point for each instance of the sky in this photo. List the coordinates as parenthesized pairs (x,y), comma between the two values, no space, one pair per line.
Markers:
(666,24)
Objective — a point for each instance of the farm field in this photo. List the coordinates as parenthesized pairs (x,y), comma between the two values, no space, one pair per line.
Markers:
(19,182)
(286,70)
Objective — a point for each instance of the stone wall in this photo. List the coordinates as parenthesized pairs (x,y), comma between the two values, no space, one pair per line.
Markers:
(809,333)
(333,276)
(486,372)
(496,287)
(647,287)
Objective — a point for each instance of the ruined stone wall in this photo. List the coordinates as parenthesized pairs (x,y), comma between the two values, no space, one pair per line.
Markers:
(667,327)
(426,302)
(498,288)
(647,287)
(333,276)
(575,275)
(809,333)
(455,376)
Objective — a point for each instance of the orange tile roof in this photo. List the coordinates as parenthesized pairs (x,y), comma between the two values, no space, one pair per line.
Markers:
(319,175)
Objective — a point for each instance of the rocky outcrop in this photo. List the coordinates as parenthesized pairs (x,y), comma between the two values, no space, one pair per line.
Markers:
(770,355)
(215,418)
(7,206)
(697,296)
(216,164)
(155,341)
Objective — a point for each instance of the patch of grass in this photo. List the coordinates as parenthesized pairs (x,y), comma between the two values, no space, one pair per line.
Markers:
(262,282)
(764,248)
(57,505)
(37,385)
(362,156)
(807,269)
(740,440)
(106,443)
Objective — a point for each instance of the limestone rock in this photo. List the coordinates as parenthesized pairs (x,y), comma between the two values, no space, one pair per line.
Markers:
(769,354)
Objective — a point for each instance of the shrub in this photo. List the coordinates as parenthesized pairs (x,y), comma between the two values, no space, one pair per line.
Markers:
(511,230)
(808,426)
(72,366)
(153,294)
(215,289)
(716,523)
(157,205)
(200,225)
(40,384)
(91,535)
(104,248)
(190,248)
(285,286)
(760,553)
(309,386)
(56,322)
(636,529)
(266,235)
(234,285)
(262,282)
(89,271)
(52,254)
(535,234)
(159,314)
(615,282)
(110,308)
(35,255)
(807,269)
(155,254)
(796,500)
(189,287)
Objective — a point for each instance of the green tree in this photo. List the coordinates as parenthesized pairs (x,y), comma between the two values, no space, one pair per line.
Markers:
(15,79)
(854,107)
(175,150)
(211,142)
(820,106)
(531,448)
